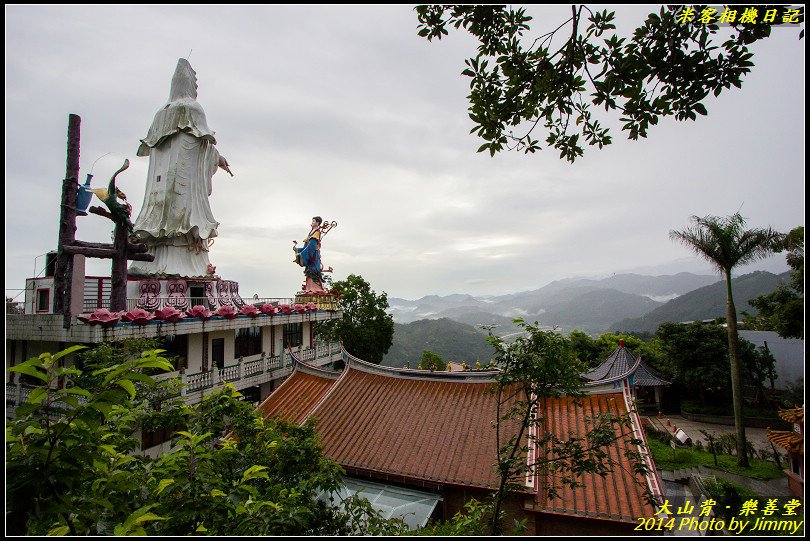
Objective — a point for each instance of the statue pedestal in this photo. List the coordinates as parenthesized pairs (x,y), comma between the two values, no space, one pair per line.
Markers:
(327,301)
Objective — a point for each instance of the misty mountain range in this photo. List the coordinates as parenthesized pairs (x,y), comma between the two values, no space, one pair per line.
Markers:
(620,303)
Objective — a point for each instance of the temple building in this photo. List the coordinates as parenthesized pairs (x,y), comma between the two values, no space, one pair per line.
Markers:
(433,432)
(792,441)
(621,366)
(420,443)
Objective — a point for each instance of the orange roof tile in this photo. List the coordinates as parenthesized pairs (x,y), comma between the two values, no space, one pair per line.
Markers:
(299,394)
(439,427)
(793,415)
(439,430)
(615,496)
(788,440)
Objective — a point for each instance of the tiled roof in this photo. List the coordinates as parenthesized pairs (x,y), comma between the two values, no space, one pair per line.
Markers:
(615,496)
(434,426)
(619,364)
(793,415)
(299,394)
(622,364)
(646,377)
(439,427)
(788,440)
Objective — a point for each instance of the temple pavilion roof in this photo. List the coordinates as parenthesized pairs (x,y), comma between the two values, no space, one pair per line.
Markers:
(623,364)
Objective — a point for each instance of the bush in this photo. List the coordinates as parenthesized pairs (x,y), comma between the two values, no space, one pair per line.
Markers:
(729,496)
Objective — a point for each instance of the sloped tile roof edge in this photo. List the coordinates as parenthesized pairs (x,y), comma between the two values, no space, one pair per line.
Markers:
(427,480)
(300,367)
(482,376)
(653,481)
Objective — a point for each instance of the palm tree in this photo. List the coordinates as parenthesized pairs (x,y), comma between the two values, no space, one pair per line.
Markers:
(725,243)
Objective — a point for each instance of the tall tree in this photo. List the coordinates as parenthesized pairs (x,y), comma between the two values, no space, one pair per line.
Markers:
(366,330)
(725,243)
(782,310)
(535,367)
(667,67)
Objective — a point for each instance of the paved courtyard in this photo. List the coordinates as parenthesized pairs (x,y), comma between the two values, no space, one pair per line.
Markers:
(758,437)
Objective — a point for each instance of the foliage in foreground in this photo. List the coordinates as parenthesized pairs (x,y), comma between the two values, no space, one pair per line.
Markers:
(70,467)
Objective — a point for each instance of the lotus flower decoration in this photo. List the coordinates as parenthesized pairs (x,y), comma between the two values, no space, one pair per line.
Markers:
(285,308)
(138,316)
(250,311)
(228,312)
(200,312)
(269,309)
(299,308)
(170,314)
(103,317)
(311,306)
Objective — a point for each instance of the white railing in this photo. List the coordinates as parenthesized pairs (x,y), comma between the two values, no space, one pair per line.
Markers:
(193,386)
(92,304)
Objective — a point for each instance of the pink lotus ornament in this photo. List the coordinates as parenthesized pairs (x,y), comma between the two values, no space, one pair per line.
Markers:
(311,306)
(200,312)
(103,317)
(269,309)
(138,316)
(228,312)
(170,314)
(285,309)
(299,308)
(250,311)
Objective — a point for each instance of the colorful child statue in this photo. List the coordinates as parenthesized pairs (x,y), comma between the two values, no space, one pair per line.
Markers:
(309,256)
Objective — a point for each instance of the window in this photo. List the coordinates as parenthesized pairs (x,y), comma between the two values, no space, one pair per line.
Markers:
(293,335)
(177,346)
(248,342)
(43,300)
(218,353)
(197,296)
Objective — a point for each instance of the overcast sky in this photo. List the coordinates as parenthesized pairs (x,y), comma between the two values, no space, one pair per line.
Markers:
(344,112)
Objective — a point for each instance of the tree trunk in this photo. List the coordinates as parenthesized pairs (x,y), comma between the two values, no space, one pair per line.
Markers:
(63,275)
(736,377)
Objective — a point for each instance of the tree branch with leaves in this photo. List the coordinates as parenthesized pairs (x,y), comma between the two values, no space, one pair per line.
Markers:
(519,82)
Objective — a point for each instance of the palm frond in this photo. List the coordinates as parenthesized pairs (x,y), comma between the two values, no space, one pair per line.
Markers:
(724,242)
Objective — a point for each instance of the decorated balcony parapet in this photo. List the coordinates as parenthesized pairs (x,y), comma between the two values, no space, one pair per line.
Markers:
(103,317)
(138,316)
(228,312)
(170,314)
(269,309)
(200,312)
(250,311)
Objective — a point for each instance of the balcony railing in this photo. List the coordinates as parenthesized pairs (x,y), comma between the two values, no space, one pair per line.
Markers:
(93,304)
(194,386)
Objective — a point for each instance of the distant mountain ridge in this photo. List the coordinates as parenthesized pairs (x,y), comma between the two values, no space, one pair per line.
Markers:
(449,325)
(705,303)
(589,304)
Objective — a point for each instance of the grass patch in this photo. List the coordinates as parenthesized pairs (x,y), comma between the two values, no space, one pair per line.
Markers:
(667,458)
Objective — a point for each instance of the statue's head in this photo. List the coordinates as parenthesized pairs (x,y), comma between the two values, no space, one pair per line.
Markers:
(184,82)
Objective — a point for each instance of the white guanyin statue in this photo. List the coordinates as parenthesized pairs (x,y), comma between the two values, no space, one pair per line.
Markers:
(176,220)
